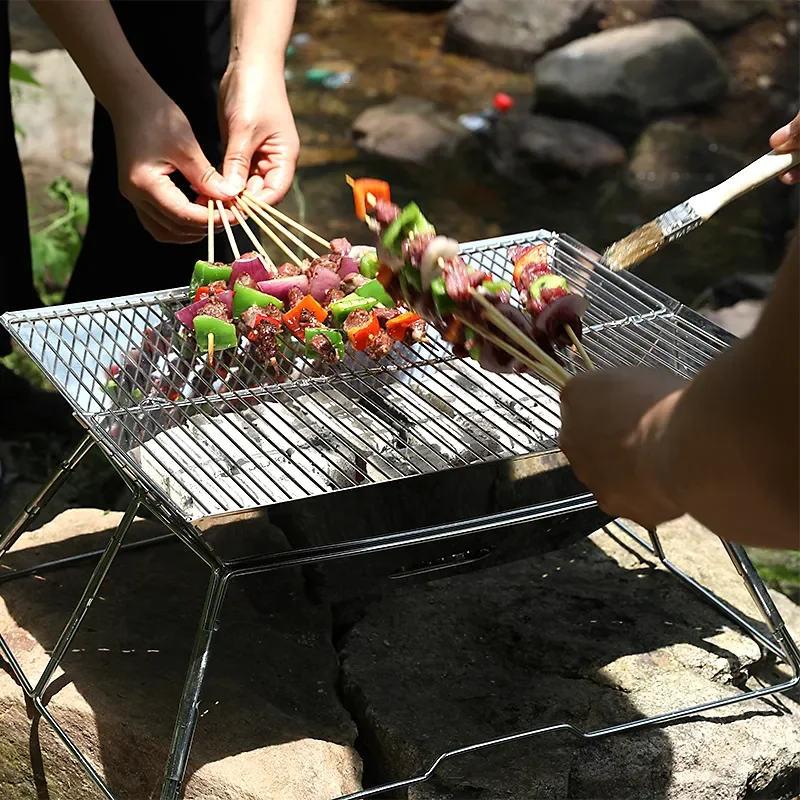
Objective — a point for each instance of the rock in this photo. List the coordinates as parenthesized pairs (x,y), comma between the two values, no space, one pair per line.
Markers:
(408,129)
(623,77)
(56,119)
(670,162)
(28,30)
(739,319)
(528,146)
(713,16)
(271,724)
(514,33)
(593,635)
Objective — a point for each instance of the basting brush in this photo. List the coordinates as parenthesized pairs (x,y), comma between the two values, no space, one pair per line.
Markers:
(692,213)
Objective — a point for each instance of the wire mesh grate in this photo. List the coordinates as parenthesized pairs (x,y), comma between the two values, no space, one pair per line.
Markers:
(210,440)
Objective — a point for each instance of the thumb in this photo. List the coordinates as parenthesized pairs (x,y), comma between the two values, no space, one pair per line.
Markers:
(197,169)
(238,158)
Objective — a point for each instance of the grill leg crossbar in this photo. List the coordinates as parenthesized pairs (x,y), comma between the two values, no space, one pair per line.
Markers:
(781,644)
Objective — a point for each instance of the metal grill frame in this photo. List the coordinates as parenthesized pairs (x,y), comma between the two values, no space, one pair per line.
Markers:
(654,329)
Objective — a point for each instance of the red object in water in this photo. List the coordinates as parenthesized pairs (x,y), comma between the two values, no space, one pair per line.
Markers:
(503,102)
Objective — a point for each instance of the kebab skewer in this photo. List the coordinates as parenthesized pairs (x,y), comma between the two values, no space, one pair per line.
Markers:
(427,271)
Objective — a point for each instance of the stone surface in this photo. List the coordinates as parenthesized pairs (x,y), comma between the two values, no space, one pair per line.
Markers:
(713,15)
(514,33)
(739,319)
(594,635)
(529,146)
(621,78)
(271,725)
(55,120)
(671,162)
(408,129)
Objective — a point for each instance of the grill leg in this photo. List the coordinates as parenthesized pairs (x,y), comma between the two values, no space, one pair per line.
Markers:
(65,640)
(186,722)
(43,496)
(783,646)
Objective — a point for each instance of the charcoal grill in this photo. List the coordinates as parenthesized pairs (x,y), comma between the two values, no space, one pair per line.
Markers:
(204,448)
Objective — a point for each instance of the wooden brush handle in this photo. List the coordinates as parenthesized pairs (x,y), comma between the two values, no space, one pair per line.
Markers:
(769,166)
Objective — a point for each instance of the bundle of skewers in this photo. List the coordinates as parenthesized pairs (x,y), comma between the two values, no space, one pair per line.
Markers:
(249,322)
(471,309)
(331,302)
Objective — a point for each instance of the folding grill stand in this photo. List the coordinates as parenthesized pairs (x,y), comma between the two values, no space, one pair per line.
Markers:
(780,645)
(579,264)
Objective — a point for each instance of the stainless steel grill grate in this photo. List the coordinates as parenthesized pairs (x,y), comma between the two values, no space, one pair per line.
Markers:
(209,441)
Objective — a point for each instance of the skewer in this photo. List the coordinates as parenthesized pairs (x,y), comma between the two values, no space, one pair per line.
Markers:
(579,347)
(228,231)
(210,231)
(250,235)
(287,233)
(211,349)
(510,330)
(249,211)
(539,368)
(287,220)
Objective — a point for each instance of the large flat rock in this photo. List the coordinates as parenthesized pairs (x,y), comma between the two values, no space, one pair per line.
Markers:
(271,725)
(623,77)
(594,635)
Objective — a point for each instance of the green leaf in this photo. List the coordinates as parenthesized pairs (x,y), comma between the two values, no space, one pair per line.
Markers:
(21,75)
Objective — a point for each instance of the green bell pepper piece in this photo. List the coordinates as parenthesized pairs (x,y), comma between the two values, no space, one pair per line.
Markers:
(353,302)
(205,273)
(475,350)
(244,298)
(112,387)
(334,337)
(225,335)
(548,281)
(369,266)
(410,219)
(375,289)
(413,277)
(444,304)
(137,395)
(495,287)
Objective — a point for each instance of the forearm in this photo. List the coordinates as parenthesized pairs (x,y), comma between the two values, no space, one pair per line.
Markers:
(260,31)
(729,448)
(91,33)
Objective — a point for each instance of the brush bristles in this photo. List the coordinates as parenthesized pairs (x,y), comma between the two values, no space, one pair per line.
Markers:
(635,247)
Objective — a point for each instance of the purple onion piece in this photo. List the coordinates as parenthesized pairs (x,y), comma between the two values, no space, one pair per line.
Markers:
(322,281)
(562,311)
(254,265)
(347,267)
(227,298)
(186,315)
(280,287)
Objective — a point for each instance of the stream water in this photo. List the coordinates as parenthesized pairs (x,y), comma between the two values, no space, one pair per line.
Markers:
(394,52)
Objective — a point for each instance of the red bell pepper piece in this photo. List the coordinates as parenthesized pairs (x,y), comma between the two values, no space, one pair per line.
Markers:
(366,192)
(385,276)
(361,336)
(201,292)
(397,327)
(308,303)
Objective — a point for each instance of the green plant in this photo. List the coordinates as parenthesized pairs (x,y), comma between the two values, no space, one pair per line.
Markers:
(55,246)
(18,76)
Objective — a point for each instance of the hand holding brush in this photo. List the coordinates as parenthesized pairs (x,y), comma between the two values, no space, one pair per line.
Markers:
(782,161)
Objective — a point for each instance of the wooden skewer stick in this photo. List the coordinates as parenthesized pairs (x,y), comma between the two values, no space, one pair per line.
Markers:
(540,369)
(210,231)
(211,349)
(251,236)
(579,347)
(255,212)
(287,220)
(510,330)
(247,209)
(228,230)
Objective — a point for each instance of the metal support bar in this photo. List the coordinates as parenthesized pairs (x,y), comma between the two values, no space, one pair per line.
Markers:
(43,496)
(186,722)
